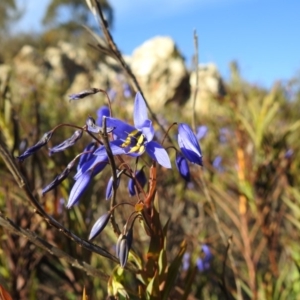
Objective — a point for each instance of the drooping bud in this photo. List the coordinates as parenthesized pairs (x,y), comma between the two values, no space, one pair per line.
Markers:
(84,94)
(182,166)
(42,142)
(123,247)
(109,187)
(92,127)
(140,177)
(99,225)
(188,144)
(58,179)
(67,143)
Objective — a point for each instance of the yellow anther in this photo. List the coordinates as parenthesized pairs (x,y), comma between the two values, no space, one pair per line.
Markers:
(134,134)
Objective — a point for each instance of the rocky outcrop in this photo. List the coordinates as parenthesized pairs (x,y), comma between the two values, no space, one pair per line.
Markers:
(161,72)
(210,85)
(157,64)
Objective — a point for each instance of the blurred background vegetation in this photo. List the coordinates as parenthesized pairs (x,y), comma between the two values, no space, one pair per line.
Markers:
(246,198)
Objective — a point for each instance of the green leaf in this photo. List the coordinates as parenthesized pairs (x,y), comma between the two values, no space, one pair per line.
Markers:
(173,271)
(152,292)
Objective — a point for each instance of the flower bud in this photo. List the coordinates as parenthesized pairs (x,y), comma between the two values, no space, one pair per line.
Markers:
(99,225)
(182,166)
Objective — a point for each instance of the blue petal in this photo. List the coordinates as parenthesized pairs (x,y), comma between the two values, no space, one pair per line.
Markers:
(188,144)
(158,153)
(102,111)
(115,147)
(189,138)
(90,148)
(189,154)
(109,187)
(79,188)
(140,177)
(92,163)
(201,132)
(121,129)
(182,166)
(140,114)
(148,130)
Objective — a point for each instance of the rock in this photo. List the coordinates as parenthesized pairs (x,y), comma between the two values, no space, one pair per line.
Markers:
(29,66)
(210,85)
(161,72)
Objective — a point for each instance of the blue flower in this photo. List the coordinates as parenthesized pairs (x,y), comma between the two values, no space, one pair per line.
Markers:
(140,177)
(186,260)
(203,262)
(224,134)
(87,154)
(188,144)
(102,111)
(126,90)
(182,166)
(217,163)
(83,180)
(139,138)
(201,132)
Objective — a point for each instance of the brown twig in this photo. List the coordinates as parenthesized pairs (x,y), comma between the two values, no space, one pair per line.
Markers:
(41,243)
(196,63)
(118,56)
(11,165)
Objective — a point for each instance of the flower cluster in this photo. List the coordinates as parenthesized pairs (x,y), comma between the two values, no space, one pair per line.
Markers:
(121,139)
(202,262)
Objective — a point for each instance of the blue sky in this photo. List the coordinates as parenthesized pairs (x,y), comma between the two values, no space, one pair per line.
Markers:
(263,36)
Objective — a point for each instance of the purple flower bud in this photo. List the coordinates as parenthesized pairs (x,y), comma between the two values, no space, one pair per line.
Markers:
(224,134)
(102,111)
(186,259)
(289,153)
(201,132)
(182,166)
(109,187)
(58,179)
(188,144)
(123,247)
(67,143)
(84,94)
(123,251)
(42,142)
(99,225)
(126,90)
(140,177)
(203,263)
(217,163)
